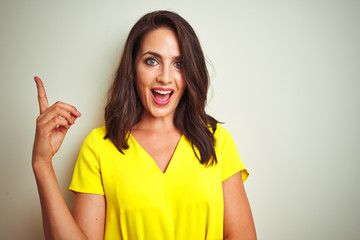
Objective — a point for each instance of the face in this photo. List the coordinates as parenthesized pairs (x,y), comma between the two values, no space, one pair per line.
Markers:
(159,79)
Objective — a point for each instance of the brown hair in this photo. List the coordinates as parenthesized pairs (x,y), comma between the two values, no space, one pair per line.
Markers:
(124,108)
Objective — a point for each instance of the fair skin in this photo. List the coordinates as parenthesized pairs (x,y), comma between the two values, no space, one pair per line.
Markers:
(157,66)
(238,220)
(88,218)
(158,70)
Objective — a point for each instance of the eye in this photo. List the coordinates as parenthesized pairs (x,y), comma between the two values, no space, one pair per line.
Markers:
(178,64)
(151,61)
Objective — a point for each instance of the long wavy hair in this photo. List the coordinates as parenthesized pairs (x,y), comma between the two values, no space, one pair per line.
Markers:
(124,108)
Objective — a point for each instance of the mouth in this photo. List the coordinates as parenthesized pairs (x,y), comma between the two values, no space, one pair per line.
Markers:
(162,96)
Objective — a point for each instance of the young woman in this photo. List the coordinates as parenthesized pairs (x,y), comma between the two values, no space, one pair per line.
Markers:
(161,168)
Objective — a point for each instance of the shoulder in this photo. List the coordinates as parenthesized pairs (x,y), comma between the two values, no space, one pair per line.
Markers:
(221,134)
(227,154)
(224,143)
(96,134)
(94,139)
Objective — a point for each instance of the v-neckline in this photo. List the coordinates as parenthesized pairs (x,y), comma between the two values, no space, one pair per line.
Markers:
(153,162)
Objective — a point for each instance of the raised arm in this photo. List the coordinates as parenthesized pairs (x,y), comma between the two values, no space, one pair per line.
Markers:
(58,222)
(238,220)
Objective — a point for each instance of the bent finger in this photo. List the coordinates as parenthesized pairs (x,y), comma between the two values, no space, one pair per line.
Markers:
(56,112)
(55,123)
(71,109)
(58,109)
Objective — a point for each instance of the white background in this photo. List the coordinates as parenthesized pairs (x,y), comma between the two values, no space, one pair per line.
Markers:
(285,80)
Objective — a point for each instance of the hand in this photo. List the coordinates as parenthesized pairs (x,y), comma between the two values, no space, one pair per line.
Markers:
(51,126)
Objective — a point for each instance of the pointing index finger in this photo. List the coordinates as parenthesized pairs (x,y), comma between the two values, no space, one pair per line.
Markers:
(42,99)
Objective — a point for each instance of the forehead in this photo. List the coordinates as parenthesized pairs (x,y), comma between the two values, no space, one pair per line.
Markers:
(162,40)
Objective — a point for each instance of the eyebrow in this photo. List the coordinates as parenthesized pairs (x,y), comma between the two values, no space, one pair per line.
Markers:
(158,55)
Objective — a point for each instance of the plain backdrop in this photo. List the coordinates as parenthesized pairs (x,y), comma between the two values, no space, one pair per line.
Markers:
(285,80)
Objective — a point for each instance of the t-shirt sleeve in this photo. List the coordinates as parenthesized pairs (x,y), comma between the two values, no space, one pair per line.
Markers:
(230,160)
(87,173)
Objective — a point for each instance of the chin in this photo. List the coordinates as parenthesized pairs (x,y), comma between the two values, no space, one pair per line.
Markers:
(161,113)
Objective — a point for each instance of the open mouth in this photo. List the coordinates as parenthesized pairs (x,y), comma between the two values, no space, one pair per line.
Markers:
(162,97)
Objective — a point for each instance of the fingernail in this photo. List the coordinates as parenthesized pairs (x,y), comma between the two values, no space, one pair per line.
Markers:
(79,113)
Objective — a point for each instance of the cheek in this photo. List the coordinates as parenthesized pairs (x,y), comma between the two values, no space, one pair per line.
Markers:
(180,80)
(141,90)
(144,76)
(182,84)
(141,82)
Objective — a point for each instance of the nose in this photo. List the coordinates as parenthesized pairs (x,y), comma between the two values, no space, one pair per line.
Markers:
(165,75)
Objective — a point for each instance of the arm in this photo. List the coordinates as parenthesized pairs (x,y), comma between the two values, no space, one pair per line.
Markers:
(51,128)
(238,220)
(89,213)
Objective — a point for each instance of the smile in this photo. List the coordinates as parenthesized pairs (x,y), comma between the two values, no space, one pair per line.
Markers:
(161,96)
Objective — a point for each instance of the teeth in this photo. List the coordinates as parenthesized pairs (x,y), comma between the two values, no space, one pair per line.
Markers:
(162,92)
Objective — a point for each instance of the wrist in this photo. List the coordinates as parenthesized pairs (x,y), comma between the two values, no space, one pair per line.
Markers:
(39,164)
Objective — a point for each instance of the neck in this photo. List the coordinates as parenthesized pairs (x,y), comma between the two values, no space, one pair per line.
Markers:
(151,123)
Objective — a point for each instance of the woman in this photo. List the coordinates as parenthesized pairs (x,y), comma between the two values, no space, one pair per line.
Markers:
(161,168)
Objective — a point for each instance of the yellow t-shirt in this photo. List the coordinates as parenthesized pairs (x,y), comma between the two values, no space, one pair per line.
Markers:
(142,202)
